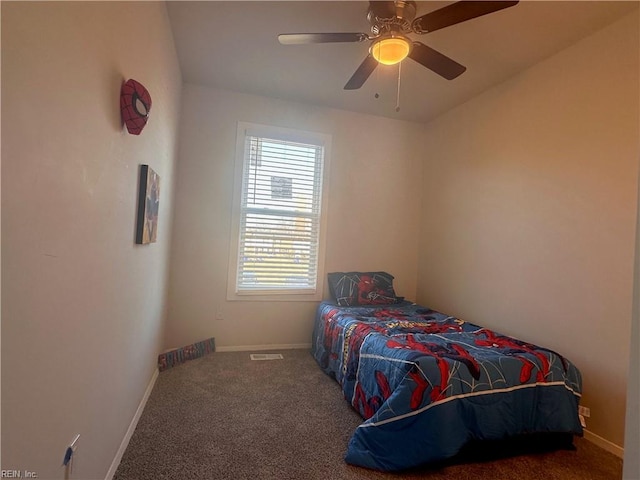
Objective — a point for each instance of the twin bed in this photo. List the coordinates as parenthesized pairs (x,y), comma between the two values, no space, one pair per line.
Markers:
(427,384)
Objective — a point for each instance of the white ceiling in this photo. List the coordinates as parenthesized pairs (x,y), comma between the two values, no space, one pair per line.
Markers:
(233,45)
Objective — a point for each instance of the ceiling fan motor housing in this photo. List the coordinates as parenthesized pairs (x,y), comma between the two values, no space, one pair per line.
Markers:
(397,20)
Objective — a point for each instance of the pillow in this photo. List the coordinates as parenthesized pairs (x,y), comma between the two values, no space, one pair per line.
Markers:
(362,288)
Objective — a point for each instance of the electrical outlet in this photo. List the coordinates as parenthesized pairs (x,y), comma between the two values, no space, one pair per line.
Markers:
(584,411)
(219,315)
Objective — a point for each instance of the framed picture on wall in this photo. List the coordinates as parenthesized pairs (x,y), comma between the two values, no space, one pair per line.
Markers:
(148,201)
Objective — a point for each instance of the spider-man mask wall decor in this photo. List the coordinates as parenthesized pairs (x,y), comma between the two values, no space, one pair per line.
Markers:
(135,104)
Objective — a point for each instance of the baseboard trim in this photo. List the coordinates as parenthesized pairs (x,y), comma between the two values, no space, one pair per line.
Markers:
(132,426)
(247,348)
(610,447)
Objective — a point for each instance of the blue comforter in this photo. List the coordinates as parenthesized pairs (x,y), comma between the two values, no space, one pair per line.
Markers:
(427,383)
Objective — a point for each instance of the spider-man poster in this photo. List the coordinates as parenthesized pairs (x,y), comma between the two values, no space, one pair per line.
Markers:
(148,203)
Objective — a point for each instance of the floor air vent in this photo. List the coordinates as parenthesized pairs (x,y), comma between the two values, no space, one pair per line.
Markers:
(266,356)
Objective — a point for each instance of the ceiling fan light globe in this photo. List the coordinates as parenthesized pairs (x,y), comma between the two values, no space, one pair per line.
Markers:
(391,50)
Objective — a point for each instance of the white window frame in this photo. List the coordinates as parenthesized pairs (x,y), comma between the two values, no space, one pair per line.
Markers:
(251,129)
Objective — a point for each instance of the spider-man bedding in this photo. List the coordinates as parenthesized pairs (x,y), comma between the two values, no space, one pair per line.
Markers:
(426,383)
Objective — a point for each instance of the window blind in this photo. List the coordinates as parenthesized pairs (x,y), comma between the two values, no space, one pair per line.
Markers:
(279,216)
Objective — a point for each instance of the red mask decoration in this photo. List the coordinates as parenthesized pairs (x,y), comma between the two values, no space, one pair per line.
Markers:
(135,104)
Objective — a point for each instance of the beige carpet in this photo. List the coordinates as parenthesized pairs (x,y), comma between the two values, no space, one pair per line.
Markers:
(224,416)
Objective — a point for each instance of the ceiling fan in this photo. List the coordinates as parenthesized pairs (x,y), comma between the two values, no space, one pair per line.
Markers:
(391,22)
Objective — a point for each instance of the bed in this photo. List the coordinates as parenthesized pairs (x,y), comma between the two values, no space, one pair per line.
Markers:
(427,384)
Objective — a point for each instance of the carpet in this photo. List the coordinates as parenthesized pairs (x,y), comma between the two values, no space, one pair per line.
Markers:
(224,416)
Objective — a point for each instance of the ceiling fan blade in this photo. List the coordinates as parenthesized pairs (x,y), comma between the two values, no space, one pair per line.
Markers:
(363,72)
(456,13)
(304,38)
(383,9)
(436,61)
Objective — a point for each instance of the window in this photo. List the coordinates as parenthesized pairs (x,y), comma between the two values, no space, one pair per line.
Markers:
(277,221)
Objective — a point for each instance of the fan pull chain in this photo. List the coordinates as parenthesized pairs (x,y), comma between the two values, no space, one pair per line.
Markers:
(398,91)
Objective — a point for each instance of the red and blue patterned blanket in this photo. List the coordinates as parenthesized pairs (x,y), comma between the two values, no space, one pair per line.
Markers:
(427,383)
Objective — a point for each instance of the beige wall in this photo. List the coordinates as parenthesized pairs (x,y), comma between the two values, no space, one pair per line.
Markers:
(82,305)
(631,469)
(370,220)
(529,211)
